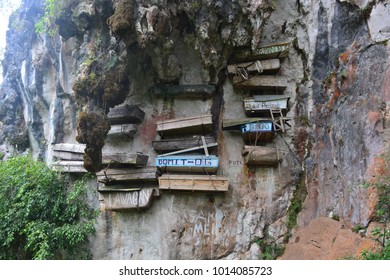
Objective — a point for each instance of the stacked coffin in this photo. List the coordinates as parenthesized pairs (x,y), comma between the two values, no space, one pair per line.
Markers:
(256,71)
(127,184)
(183,167)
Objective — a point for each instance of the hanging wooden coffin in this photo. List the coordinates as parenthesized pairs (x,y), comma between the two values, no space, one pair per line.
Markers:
(169,145)
(125,114)
(188,163)
(257,155)
(194,125)
(278,50)
(68,166)
(202,183)
(259,132)
(70,154)
(122,130)
(263,103)
(257,66)
(120,175)
(262,82)
(127,200)
(203,91)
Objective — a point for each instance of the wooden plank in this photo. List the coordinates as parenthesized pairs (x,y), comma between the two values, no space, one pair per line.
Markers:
(67,147)
(168,145)
(257,155)
(188,163)
(128,200)
(261,82)
(254,66)
(197,124)
(125,114)
(69,166)
(203,91)
(120,175)
(278,50)
(203,183)
(122,130)
(236,124)
(125,158)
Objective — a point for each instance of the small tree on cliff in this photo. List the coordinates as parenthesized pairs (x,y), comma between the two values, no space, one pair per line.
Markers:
(42,215)
(382,184)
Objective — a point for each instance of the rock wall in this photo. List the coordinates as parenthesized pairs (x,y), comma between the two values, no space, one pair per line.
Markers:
(337,72)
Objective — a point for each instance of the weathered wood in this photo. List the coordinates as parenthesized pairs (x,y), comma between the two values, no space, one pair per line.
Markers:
(263,103)
(203,183)
(120,175)
(75,152)
(261,82)
(257,155)
(203,91)
(125,114)
(168,145)
(278,50)
(188,163)
(197,124)
(67,147)
(254,66)
(122,130)
(68,156)
(69,166)
(119,200)
(236,124)
(125,158)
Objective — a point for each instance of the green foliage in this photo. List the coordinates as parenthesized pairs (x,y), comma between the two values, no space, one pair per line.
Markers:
(52,10)
(42,215)
(270,250)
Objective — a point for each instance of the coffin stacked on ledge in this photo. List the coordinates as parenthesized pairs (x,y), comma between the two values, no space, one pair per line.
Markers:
(183,155)
(257,72)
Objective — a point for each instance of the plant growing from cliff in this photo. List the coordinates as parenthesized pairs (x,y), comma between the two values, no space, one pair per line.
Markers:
(52,9)
(42,215)
(382,185)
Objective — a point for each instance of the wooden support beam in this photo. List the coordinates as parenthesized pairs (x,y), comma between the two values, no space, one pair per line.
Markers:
(125,114)
(203,91)
(278,50)
(261,82)
(169,145)
(258,155)
(203,183)
(254,66)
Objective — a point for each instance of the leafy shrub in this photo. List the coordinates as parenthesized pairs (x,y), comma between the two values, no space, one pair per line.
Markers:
(42,215)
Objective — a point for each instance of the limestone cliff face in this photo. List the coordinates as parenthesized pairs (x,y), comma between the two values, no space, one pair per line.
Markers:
(114,52)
